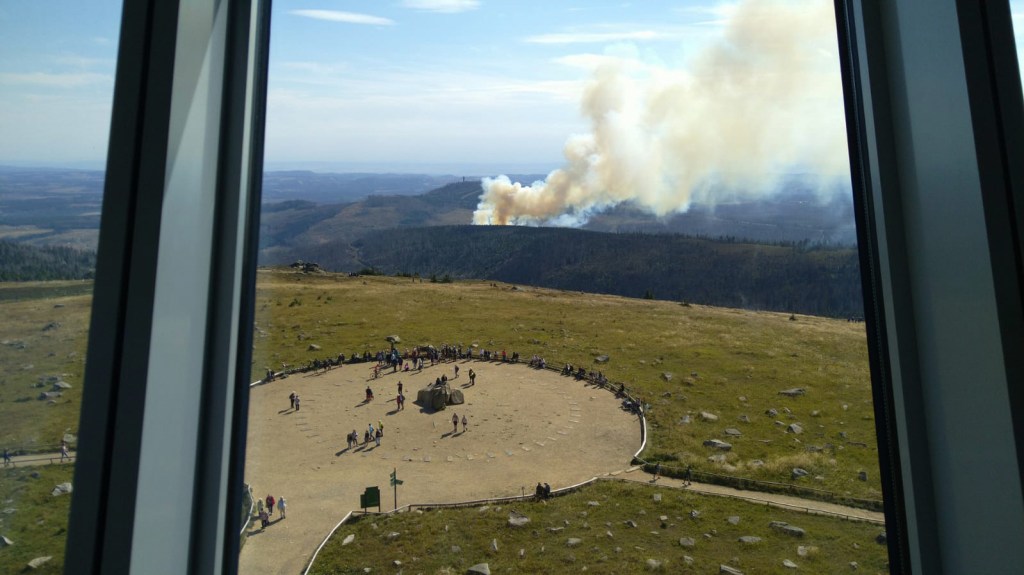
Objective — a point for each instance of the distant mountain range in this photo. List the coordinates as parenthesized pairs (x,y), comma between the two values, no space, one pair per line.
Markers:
(783,252)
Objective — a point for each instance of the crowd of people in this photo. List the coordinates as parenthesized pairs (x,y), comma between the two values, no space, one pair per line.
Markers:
(266,511)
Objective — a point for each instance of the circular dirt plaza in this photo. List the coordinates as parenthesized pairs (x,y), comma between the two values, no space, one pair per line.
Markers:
(525,426)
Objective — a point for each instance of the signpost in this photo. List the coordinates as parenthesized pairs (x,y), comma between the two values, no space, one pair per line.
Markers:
(370,498)
(395,482)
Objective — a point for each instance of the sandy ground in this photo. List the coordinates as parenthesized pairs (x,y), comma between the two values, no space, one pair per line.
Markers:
(525,426)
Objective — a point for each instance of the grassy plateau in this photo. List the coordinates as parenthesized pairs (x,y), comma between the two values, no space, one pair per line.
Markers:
(683,360)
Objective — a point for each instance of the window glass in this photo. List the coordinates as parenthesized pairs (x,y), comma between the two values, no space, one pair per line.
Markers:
(57,63)
(510,248)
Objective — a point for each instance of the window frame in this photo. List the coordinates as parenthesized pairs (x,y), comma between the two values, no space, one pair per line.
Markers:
(906,153)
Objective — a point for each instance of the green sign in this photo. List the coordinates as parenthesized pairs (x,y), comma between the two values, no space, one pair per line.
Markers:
(370,497)
(394,479)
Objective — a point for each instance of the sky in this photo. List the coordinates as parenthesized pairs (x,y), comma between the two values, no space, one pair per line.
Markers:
(455,86)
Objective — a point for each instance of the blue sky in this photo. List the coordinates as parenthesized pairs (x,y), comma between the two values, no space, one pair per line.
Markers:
(408,85)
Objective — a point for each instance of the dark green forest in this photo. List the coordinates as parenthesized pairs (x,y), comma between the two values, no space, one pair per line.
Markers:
(24,262)
(798,278)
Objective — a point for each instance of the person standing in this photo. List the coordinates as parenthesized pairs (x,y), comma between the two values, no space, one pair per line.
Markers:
(7,457)
(292,399)
(399,388)
(380,427)
(281,506)
(455,423)
(259,507)
(456,372)
(270,505)
(472,377)
(378,436)
(465,423)
(64,451)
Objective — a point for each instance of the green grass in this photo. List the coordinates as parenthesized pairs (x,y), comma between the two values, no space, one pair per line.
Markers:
(30,353)
(741,360)
(38,523)
(425,540)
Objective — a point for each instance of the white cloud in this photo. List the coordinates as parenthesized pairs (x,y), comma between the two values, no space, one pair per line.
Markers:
(53,80)
(446,6)
(595,37)
(347,17)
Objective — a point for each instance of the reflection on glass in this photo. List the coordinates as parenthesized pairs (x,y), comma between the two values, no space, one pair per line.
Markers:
(56,82)
(660,290)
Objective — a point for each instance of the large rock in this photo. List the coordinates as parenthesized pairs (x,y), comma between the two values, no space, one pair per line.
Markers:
(348,539)
(5,542)
(729,570)
(783,527)
(433,397)
(573,542)
(789,564)
(718,444)
(707,416)
(794,392)
(799,472)
(687,541)
(62,489)
(38,562)
(61,385)
(749,539)
(666,375)
(601,359)
(455,397)
(733,432)
(653,564)
(479,569)
(794,428)
(517,520)
(313,347)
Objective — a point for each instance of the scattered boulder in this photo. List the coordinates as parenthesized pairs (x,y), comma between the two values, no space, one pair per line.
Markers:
(717,444)
(313,347)
(456,549)
(38,562)
(62,489)
(51,326)
(789,564)
(749,539)
(799,472)
(49,395)
(517,520)
(733,520)
(854,566)
(479,569)
(685,420)
(793,392)
(393,535)
(61,385)
(862,475)
(396,563)
(593,503)
(393,339)
(601,359)
(694,514)
(783,527)
(5,542)
(494,545)
(794,428)
(881,539)
(772,412)
(656,498)
(729,570)
(717,458)
(744,418)
(348,539)
(573,542)
(666,375)
(732,431)
(630,523)
(755,463)
(709,417)
(687,542)
(653,564)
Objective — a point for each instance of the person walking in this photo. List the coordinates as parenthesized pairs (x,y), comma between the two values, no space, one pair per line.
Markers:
(455,423)
(465,423)
(399,388)
(472,377)
(657,471)
(7,457)
(64,451)
(380,427)
(259,507)
(270,505)
(281,506)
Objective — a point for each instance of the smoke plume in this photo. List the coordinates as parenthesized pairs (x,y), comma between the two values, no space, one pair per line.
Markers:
(762,100)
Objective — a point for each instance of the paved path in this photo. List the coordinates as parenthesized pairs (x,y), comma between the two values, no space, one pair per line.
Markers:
(41,459)
(784,501)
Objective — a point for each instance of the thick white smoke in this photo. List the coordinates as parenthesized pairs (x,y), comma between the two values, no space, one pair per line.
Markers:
(762,100)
